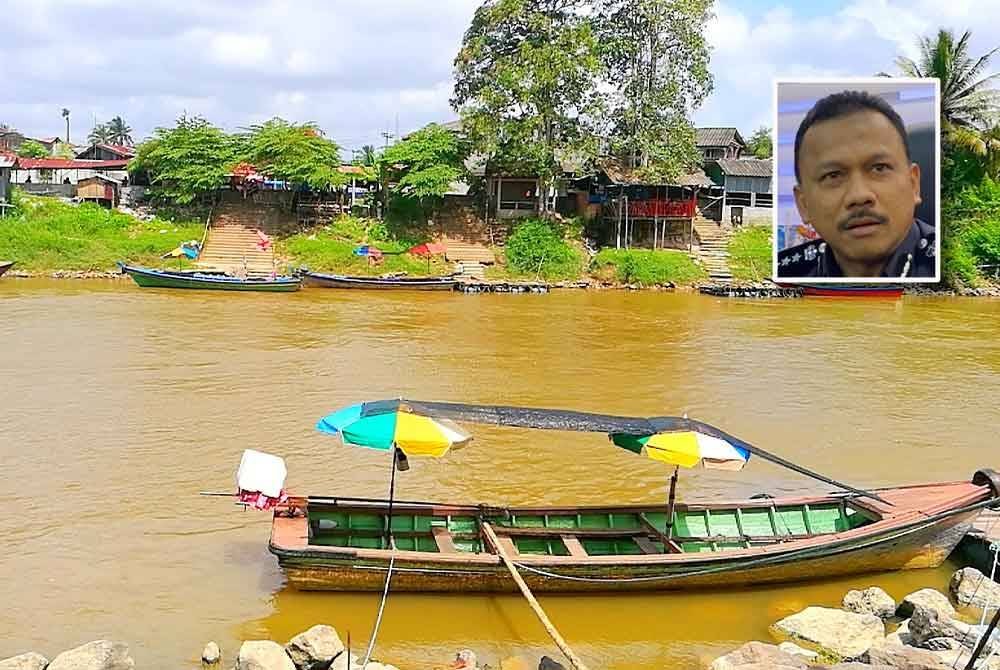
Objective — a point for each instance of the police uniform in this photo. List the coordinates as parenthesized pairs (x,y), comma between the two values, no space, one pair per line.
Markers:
(914,257)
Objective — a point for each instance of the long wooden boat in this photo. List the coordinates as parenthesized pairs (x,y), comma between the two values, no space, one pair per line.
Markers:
(849,291)
(5,265)
(339,544)
(380,283)
(147,277)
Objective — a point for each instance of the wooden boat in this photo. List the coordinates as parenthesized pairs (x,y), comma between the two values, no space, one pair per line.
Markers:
(339,544)
(848,290)
(147,277)
(380,283)
(5,265)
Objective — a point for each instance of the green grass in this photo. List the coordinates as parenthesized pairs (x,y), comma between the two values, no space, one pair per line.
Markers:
(330,248)
(750,253)
(541,249)
(647,267)
(49,234)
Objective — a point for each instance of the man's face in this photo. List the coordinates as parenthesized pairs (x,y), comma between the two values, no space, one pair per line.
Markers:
(857,188)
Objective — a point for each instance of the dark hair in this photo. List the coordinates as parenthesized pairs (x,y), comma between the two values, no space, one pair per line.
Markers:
(841,104)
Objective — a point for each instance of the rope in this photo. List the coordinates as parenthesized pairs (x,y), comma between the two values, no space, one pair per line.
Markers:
(392,562)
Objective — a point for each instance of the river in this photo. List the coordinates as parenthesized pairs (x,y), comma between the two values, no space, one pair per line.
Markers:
(118,405)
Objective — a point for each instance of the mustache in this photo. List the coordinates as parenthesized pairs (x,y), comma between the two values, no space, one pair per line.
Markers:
(849,220)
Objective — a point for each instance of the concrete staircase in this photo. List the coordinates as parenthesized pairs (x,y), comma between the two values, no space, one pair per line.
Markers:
(467,252)
(713,248)
(466,236)
(470,271)
(232,242)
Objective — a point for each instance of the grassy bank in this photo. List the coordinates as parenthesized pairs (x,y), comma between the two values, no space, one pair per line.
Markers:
(750,253)
(46,234)
(646,267)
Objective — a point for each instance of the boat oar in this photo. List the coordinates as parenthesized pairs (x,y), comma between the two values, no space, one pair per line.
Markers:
(526,592)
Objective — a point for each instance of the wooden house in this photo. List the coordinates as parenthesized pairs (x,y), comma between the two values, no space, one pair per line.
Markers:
(716,143)
(106,152)
(100,189)
(748,189)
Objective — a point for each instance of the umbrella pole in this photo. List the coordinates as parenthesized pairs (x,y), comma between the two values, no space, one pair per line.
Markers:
(671,501)
(392,494)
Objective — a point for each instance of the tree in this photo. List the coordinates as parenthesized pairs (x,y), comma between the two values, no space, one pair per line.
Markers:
(32,149)
(297,153)
(101,134)
(425,164)
(120,132)
(760,143)
(525,85)
(187,161)
(655,71)
(65,115)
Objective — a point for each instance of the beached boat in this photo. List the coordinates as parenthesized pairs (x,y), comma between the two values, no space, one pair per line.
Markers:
(147,277)
(380,283)
(339,544)
(4,266)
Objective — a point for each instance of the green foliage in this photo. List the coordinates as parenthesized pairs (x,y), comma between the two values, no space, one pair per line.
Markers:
(32,149)
(48,234)
(297,153)
(958,265)
(982,240)
(654,58)
(750,253)
(538,247)
(525,80)
(647,267)
(100,134)
(120,132)
(187,161)
(759,143)
(426,162)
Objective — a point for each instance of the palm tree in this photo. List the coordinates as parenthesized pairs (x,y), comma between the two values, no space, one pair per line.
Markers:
(65,115)
(966,99)
(101,134)
(120,131)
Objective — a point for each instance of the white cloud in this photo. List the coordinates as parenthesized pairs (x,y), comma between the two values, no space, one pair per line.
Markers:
(241,50)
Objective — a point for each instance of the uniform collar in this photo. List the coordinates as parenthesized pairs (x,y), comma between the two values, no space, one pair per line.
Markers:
(900,263)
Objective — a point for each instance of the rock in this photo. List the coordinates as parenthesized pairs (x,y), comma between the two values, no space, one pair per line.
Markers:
(515,663)
(932,631)
(263,655)
(548,664)
(757,653)
(315,648)
(97,655)
(929,599)
(211,654)
(796,650)
(901,635)
(969,586)
(27,661)
(958,658)
(854,665)
(466,660)
(872,600)
(904,658)
(832,632)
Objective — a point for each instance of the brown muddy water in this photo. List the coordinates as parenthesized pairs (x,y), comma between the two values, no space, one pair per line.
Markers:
(118,405)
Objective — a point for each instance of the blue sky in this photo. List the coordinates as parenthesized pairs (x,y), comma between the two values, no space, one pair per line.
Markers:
(354,72)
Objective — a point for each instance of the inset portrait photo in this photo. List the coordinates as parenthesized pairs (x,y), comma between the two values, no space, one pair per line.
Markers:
(858,181)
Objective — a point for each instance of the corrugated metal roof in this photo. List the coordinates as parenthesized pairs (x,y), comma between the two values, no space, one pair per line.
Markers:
(7,159)
(68,164)
(619,174)
(716,137)
(745,167)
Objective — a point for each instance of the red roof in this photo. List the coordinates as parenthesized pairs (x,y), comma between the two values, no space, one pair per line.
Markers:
(119,149)
(68,164)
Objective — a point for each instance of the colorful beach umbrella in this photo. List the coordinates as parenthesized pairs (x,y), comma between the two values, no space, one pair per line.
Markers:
(685,448)
(386,424)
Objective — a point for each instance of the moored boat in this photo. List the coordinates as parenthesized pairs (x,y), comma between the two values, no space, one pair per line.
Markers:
(339,544)
(849,290)
(150,278)
(379,283)
(5,265)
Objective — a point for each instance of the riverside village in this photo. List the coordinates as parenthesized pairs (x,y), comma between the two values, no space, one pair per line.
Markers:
(452,336)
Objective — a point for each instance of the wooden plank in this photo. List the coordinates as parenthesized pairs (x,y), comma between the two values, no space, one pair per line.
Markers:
(574,546)
(670,544)
(445,542)
(646,545)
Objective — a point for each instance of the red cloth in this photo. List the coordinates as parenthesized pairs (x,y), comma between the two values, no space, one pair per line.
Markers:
(263,241)
(258,500)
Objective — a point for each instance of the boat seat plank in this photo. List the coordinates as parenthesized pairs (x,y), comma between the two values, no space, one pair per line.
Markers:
(445,542)
(647,545)
(669,543)
(508,545)
(573,546)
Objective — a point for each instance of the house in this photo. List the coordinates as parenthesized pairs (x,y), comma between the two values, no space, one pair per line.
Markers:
(10,139)
(106,152)
(7,161)
(100,189)
(59,176)
(748,189)
(715,143)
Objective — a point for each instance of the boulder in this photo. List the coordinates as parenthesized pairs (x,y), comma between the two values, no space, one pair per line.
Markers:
(928,599)
(901,635)
(757,653)
(904,658)
(28,661)
(832,632)
(969,586)
(928,625)
(872,600)
(315,648)
(854,665)
(548,664)
(97,655)
(263,655)
(958,658)
(211,654)
(796,650)
(466,660)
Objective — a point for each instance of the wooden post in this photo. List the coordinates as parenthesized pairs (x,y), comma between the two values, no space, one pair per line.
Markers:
(671,503)
(526,592)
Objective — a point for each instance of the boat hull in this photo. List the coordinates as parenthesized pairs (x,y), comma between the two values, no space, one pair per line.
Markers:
(380,284)
(847,291)
(4,266)
(147,278)
(897,537)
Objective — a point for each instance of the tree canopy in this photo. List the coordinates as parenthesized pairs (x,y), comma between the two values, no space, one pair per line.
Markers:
(32,149)
(426,162)
(297,153)
(759,143)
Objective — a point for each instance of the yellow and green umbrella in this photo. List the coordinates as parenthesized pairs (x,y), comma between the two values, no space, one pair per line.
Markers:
(687,448)
(386,424)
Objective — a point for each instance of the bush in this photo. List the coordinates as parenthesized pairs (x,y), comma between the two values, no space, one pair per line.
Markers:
(538,247)
(958,265)
(648,267)
(982,240)
(750,253)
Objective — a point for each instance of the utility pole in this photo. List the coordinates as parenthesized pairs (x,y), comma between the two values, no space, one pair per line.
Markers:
(387,136)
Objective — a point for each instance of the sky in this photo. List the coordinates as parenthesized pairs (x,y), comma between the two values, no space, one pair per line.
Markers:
(361,69)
